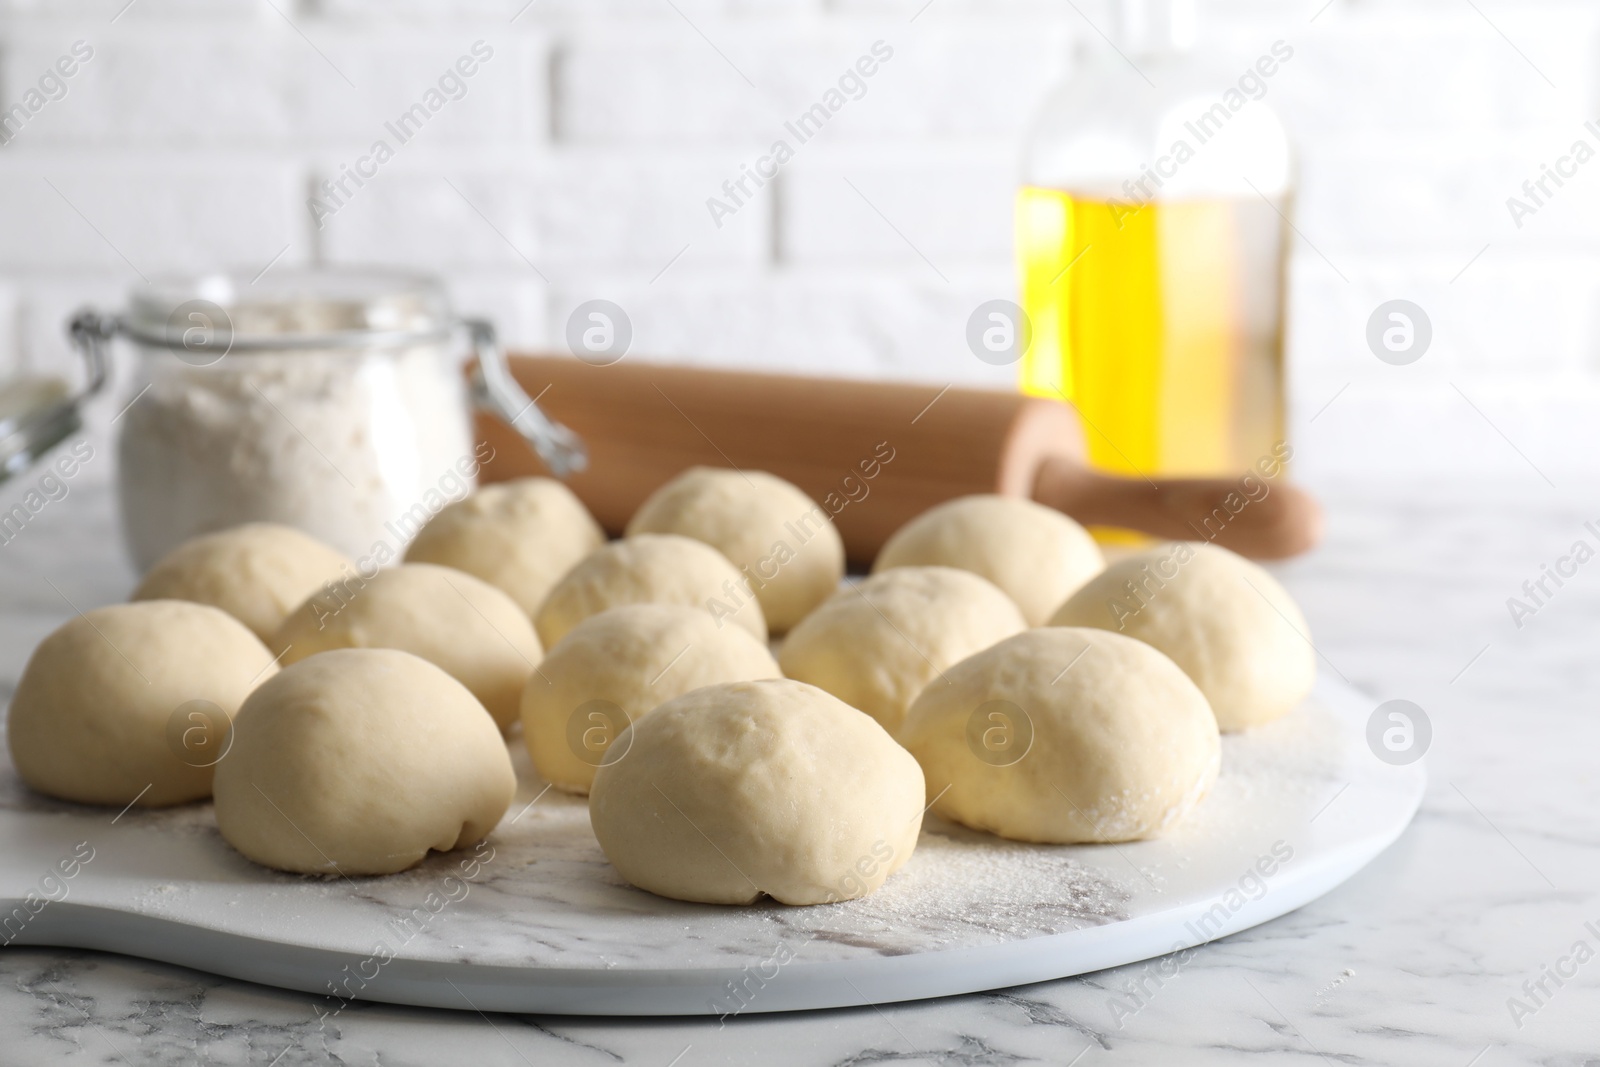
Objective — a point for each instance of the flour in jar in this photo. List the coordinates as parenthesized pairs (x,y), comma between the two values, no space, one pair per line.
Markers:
(339,443)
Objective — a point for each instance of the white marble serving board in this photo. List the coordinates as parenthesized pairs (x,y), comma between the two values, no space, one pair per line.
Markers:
(541,923)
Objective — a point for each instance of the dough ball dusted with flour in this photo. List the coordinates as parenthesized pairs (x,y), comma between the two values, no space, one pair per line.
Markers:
(1227,622)
(520,536)
(472,630)
(875,646)
(133,701)
(1036,555)
(614,667)
(258,573)
(1065,736)
(776,535)
(650,569)
(360,761)
(732,791)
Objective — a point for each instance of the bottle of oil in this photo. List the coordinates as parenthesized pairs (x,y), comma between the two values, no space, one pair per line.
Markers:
(1151,237)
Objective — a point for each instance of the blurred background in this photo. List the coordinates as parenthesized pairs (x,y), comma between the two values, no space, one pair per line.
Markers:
(577,161)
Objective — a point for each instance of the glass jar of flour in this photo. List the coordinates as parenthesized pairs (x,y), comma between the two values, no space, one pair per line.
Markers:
(328,400)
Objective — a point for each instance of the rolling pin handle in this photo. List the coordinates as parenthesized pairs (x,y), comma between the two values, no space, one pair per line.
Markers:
(1284,521)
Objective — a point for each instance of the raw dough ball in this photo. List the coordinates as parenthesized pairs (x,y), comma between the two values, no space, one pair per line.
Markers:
(1064,736)
(133,695)
(1224,620)
(521,536)
(650,569)
(359,761)
(258,573)
(1036,555)
(613,667)
(781,539)
(876,645)
(472,630)
(731,791)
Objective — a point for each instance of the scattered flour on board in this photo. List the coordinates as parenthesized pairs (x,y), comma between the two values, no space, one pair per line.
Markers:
(958,883)
(549,895)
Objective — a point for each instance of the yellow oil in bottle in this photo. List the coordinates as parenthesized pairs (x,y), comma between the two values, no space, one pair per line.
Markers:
(1162,323)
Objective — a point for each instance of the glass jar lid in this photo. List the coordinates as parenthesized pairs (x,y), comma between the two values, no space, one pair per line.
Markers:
(293,308)
(204,317)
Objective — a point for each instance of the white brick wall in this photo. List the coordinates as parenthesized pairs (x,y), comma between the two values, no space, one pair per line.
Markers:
(578,163)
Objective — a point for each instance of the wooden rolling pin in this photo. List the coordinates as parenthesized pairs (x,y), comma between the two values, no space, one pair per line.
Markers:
(875,454)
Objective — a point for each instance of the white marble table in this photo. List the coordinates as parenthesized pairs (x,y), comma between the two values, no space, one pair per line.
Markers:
(1413,961)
